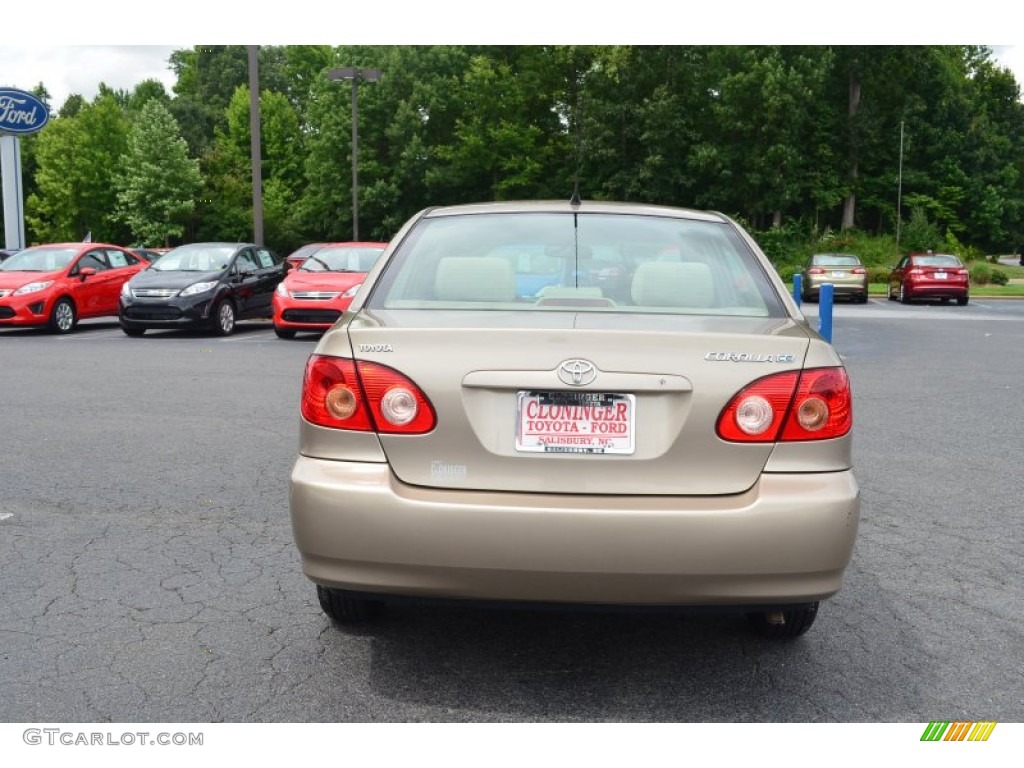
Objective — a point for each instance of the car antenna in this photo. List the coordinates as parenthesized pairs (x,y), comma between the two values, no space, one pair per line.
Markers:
(576,118)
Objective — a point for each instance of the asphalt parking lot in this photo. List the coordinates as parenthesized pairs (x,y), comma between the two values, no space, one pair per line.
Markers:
(149,573)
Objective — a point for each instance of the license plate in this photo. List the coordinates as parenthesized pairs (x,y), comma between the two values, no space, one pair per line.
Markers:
(575,422)
(838,273)
(940,275)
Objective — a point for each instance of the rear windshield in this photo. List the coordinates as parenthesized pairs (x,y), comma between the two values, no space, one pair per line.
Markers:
(937,260)
(576,262)
(836,260)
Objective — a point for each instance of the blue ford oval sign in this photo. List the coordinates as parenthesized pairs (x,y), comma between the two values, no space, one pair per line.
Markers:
(21,112)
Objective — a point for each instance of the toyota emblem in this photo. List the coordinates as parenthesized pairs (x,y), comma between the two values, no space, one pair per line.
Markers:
(577,373)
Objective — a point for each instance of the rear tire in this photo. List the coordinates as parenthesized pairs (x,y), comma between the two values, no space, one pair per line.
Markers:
(904,296)
(62,317)
(795,622)
(961,301)
(344,609)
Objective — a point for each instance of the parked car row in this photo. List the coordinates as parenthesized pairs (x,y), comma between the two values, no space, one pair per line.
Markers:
(917,276)
(208,286)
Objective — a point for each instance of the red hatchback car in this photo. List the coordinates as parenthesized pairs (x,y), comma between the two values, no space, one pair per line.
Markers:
(313,296)
(55,285)
(929,276)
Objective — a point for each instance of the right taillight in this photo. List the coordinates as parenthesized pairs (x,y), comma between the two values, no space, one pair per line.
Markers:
(815,404)
(340,393)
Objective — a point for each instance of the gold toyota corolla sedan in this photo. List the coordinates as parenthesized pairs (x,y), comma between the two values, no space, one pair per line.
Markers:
(594,404)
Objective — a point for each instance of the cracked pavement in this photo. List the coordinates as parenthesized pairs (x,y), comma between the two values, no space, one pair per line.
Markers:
(149,574)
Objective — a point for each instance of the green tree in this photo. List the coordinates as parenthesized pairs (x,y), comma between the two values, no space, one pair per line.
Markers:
(144,92)
(207,77)
(77,159)
(229,169)
(158,181)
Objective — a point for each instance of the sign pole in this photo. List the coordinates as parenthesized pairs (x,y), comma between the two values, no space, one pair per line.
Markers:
(14,219)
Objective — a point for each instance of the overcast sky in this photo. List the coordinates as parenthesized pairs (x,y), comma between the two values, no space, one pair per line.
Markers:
(65,66)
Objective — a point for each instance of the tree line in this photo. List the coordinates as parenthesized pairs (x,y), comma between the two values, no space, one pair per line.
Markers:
(810,138)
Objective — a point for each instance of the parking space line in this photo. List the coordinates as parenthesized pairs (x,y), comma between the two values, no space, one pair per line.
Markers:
(253,336)
(89,335)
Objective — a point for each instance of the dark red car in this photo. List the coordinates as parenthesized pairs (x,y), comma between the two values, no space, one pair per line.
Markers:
(929,276)
(55,285)
(313,296)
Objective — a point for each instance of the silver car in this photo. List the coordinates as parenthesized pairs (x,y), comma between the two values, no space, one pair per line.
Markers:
(486,423)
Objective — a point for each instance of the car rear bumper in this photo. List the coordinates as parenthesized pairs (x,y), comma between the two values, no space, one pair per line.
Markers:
(839,289)
(935,289)
(787,540)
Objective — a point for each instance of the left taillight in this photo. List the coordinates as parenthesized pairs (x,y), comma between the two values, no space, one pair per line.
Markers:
(340,393)
(815,404)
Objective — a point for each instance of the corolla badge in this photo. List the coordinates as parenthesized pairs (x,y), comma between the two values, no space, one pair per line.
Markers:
(576,372)
(747,357)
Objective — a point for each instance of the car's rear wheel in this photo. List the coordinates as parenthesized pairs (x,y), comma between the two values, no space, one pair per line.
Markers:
(133,331)
(224,317)
(961,301)
(345,609)
(284,333)
(785,624)
(904,295)
(62,316)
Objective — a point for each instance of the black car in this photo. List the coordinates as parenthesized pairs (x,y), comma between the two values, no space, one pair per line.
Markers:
(202,285)
(7,252)
(149,254)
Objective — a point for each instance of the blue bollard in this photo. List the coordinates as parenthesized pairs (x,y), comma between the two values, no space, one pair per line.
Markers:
(797,288)
(825,298)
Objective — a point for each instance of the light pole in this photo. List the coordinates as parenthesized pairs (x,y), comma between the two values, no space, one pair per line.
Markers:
(355,74)
(254,145)
(899,191)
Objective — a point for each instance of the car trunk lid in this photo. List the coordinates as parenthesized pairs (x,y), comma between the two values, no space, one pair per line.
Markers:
(561,402)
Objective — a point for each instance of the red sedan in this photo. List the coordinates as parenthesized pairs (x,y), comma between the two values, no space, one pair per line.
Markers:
(313,296)
(929,276)
(55,285)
